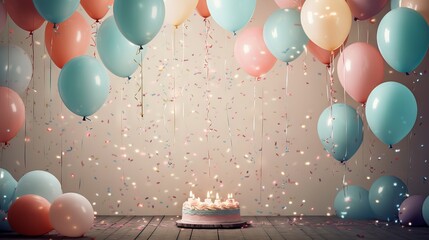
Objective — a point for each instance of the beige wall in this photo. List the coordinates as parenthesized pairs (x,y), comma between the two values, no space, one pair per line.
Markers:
(157,172)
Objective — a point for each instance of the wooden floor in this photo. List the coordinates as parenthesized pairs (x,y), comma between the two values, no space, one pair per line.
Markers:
(261,228)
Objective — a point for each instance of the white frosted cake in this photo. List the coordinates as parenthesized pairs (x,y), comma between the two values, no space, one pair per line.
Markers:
(196,212)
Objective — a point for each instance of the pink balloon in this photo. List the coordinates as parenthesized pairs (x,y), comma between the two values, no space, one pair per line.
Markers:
(12,111)
(251,52)
(3,16)
(290,3)
(24,14)
(364,9)
(360,70)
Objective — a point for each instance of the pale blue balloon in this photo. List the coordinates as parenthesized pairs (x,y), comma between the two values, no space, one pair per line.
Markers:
(15,68)
(4,224)
(394,4)
(425,210)
(403,39)
(391,111)
(352,202)
(284,36)
(231,15)
(56,11)
(118,54)
(39,183)
(139,20)
(83,85)
(385,197)
(7,189)
(340,131)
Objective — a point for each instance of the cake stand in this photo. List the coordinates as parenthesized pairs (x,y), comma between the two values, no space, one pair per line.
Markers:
(185,224)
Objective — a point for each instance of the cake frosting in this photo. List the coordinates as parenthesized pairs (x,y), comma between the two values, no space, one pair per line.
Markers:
(208,212)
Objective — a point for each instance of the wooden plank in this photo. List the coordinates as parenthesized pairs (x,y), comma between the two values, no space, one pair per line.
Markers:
(185,234)
(206,234)
(254,231)
(226,234)
(288,229)
(131,229)
(269,228)
(150,228)
(167,229)
(113,227)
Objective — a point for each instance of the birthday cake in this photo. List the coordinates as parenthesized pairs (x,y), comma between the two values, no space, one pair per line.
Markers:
(195,211)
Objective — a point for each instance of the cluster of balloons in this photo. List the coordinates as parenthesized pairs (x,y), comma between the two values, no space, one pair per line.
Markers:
(381,202)
(36,205)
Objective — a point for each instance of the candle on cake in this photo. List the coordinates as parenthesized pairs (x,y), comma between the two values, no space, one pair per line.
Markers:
(217,200)
(208,200)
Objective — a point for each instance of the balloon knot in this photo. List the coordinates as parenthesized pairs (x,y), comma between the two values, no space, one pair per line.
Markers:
(390,146)
(141,47)
(356,19)
(84,118)
(235,33)
(31,33)
(129,78)
(407,73)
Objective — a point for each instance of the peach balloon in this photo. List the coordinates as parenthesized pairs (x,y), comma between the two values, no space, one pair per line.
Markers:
(202,9)
(421,6)
(290,3)
(12,110)
(24,14)
(96,9)
(29,215)
(360,69)
(251,52)
(176,12)
(70,40)
(324,56)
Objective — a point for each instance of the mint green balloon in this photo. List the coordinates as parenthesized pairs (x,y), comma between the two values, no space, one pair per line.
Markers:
(7,189)
(340,131)
(139,20)
(391,111)
(40,183)
(352,202)
(56,11)
(284,36)
(118,54)
(231,15)
(403,39)
(83,85)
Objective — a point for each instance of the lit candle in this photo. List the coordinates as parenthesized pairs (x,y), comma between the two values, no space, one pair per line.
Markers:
(191,197)
(217,200)
(208,199)
(230,199)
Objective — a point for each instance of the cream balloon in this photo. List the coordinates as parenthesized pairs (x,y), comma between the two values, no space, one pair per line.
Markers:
(326,22)
(177,11)
(421,6)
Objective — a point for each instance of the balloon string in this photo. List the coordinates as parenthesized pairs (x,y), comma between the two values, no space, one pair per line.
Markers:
(262,147)
(358,30)
(181,72)
(345,100)
(254,116)
(227,103)
(367,32)
(208,106)
(286,107)
(61,156)
(174,84)
(141,85)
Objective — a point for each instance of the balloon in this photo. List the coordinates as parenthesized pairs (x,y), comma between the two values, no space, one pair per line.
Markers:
(56,11)
(410,211)
(324,56)
(24,14)
(421,6)
(360,70)
(15,68)
(13,114)
(177,11)
(71,215)
(203,9)
(83,85)
(425,210)
(139,20)
(284,35)
(403,39)
(385,197)
(7,189)
(352,202)
(365,9)
(4,224)
(39,183)
(394,3)
(3,16)
(72,39)
(340,131)
(116,52)
(96,9)
(326,22)
(252,54)
(29,215)
(289,3)
(391,111)
(232,15)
